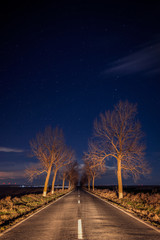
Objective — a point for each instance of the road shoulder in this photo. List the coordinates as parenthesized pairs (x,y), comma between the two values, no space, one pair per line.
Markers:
(124,210)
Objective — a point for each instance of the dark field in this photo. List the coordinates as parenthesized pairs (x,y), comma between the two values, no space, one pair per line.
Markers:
(18,191)
(134,189)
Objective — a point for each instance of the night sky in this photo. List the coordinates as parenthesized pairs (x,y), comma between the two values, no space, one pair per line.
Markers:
(63,63)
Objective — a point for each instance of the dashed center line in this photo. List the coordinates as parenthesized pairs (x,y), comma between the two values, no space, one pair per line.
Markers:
(80,236)
(78,201)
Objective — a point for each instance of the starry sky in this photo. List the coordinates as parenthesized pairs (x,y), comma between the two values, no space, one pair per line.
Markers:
(65,62)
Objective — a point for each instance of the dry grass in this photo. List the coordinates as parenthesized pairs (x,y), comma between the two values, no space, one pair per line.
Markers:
(13,210)
(144,205)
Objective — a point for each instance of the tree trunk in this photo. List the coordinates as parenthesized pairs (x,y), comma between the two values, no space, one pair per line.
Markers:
(53,182)
(46,182)
(69,184)
(119,177)
(63,183)
(89,183)
(93,183)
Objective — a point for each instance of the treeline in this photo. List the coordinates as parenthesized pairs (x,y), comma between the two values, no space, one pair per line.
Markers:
(54,157)
(117,137)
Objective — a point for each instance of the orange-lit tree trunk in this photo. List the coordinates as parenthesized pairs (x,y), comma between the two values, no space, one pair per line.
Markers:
(89,183)
(63,182)
(69,184)
(46,181)
(119,177)
(53,182)
(93,183)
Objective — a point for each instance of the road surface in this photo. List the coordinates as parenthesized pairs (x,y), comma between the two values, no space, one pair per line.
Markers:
(80,215)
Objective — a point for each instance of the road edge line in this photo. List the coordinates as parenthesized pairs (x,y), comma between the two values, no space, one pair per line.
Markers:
(42,208)
(140,220)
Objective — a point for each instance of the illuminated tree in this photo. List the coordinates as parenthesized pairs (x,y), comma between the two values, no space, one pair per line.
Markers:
(62,175)
(45,147)
(86,176)
(63,158)
(120,137)
(94,166)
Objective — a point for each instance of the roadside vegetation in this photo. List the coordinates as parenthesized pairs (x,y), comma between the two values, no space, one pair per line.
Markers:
(15,209)
(144,205)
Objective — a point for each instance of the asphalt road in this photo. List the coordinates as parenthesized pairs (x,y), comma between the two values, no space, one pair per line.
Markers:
(80,215)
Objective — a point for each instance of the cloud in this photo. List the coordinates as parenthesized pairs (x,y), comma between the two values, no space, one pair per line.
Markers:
(15,170)
(7,150)
(111,168)
(146,60)
(11,175)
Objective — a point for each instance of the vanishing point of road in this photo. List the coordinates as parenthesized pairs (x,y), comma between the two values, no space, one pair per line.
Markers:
(80,215)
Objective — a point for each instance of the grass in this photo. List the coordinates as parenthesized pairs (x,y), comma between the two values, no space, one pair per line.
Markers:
(15,209)
(144,205)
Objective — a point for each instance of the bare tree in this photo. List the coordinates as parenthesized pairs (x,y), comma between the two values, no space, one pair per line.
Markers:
(94,164)
(84,179)
(44,147)
(72,174)
(120,137)
(88,175)
(64,157)
(62,175)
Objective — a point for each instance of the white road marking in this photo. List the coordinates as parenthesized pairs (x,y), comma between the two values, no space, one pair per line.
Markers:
(78,201)
(140,220)
(78,195)
(80,236)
